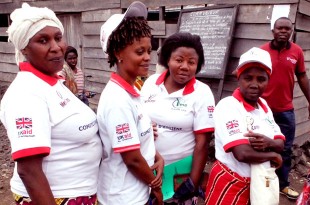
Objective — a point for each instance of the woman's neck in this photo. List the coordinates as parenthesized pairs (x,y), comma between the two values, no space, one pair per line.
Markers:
(172,86)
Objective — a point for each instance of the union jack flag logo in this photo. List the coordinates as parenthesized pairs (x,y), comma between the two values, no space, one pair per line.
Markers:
(123,128)
(210,108)
(24,122)
(232,124)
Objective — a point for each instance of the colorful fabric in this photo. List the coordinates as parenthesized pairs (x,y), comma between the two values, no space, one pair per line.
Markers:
(139,83)
(81,200)
(226,187)
(285,64)
(77,76)
(68,74)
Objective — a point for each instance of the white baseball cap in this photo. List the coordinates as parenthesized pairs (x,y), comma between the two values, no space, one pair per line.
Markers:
(136,9)
(255,57)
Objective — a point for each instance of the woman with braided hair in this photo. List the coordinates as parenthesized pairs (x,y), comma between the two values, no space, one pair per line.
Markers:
(126,174)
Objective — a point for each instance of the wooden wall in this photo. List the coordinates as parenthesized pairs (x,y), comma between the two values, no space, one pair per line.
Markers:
(252,29)
(302,38)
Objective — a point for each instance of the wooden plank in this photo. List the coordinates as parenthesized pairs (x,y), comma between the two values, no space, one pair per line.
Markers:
(93,53)
(260,13)
(302,22)
(8,68)
(301,139)
(170,29)
(7,58)
(158,28)
(98,76)
(6,1)
(63,5)
(91,41)
(304,7)
(300,102)
(302,128)
(6,47)
(77,5)
(94,86)
(297,91)
(253,31)
(230,86)
(72,35)
(302,39)
(240,46)
(3,31)
(307,55)
(157,3)
(96,64)
(301,115)
(99,15)
(232,65)
(7,77)
(91,28)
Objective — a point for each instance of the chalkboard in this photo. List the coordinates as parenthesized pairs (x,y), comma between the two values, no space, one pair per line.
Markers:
(215,25)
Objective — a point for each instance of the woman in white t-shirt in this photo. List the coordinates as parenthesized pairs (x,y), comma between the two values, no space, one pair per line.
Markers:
(245,133)
(126,173)
(182,107)
(54,136)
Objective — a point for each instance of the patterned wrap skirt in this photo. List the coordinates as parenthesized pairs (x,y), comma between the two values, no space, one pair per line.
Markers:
(226,187)
(82,200)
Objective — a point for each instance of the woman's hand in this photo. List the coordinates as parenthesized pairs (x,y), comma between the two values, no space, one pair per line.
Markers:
(158,166)
(259,142)
(157,194)
(276,161)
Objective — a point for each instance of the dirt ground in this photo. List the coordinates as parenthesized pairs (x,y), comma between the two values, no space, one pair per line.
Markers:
(7,165)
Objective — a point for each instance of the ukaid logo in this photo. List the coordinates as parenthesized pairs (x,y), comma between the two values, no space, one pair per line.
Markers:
(123,132)
(232,127)
(210,111)
(24,126)
(232,124)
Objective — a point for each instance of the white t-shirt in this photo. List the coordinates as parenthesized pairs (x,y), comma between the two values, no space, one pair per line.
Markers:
(123,126)
(43,117)
(233,117)
(179,115)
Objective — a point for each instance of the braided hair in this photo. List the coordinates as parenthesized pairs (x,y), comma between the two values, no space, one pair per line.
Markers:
(132,28)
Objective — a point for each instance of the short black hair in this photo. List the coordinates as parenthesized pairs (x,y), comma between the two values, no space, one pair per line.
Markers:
(283,17)
(181,39)
(130,29)
(70,49)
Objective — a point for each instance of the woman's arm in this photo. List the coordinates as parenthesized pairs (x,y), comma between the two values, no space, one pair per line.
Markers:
(260,142)
(137,165)
(30,171)
(245,153)
(158,166)
(200,156)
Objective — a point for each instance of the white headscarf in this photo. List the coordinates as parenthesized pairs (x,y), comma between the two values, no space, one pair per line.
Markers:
(26,22)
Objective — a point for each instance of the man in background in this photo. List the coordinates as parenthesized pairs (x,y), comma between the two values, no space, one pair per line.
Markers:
(287,60)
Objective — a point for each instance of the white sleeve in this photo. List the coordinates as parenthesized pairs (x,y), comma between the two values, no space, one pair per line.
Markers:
(28,125)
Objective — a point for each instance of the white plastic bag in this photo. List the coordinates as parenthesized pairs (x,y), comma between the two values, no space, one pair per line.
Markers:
(264,187)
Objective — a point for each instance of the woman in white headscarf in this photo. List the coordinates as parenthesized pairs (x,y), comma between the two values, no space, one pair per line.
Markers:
(53,134)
